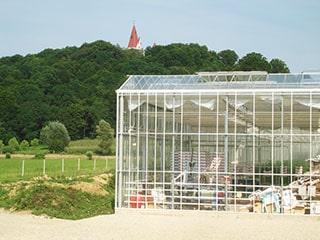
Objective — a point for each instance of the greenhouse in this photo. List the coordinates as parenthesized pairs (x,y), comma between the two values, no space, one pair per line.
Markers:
(219,141)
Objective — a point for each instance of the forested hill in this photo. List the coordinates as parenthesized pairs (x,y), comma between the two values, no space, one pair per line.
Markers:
(76,85)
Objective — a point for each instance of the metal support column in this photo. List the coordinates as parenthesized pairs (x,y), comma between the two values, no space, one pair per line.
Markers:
(226,129)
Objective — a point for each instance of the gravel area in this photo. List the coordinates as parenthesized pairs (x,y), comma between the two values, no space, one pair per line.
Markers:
(164,225)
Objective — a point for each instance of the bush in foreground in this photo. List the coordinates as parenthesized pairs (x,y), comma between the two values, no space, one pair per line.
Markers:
(61,197)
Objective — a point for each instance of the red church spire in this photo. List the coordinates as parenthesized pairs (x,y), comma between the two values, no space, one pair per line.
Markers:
(134,41)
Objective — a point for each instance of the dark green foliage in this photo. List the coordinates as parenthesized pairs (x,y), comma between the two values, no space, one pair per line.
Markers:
(229,58)
(76,85)
(3,197)
(40,156)
(254,62)
(278,66)
(89,155)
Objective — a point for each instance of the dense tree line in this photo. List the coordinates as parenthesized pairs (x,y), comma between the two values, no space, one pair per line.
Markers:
(76,85)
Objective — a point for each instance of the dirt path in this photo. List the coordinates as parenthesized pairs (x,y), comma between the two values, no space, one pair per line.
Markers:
(159,225)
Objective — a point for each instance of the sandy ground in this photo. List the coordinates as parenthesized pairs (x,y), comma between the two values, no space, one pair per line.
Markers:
(160,225)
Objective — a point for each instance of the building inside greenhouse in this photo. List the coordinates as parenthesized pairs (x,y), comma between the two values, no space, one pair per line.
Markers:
(219,141)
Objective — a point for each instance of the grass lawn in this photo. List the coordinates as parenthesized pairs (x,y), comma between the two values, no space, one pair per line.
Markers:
(19,168)
(39,150)
(82,146)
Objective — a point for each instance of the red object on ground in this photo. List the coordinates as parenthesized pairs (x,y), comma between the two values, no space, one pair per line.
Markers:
(140,201)
(136,201)
(220,194)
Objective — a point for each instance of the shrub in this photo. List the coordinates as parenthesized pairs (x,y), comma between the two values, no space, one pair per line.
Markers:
(24,145)
(89,155)
(8,155)
(35,142)
(14,144)
(7,149)
(40,156)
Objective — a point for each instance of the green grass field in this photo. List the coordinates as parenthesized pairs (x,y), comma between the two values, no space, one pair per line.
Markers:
(39,150)
(72,162)
(82,146)
(19,168)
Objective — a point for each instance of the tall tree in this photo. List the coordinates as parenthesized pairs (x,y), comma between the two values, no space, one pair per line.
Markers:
(254,62)
(229,58)
(55,135)
(106,135)
(278,66)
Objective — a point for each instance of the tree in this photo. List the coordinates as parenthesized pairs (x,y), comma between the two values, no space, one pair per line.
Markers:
(34,142)
(55,135)
(229,58)
(13,144)
(254,62)
(278,66)
(76,85)
(106,135)
(24,145)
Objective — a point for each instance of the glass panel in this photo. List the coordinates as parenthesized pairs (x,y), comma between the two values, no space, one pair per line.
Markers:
(219,149)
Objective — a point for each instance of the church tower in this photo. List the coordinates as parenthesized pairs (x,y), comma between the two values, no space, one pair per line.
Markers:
(134,41)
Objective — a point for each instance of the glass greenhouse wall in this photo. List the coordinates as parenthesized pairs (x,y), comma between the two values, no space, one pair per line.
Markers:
(224,141)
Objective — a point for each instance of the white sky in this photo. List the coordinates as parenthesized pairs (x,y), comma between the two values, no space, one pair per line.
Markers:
(284,29)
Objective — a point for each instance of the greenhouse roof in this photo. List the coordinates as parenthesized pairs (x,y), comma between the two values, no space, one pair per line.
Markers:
(221,80)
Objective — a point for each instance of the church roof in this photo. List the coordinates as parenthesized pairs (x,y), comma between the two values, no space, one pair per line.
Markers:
(134,41)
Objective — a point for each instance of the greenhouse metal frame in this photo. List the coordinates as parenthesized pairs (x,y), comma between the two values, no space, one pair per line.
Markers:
(219,141)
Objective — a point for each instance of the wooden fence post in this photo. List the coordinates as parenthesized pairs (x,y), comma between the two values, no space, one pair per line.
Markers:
(22,169)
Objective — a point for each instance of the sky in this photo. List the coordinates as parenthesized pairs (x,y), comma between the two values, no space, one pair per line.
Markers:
(285,29)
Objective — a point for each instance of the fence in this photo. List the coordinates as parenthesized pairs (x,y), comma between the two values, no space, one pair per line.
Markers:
(13,168)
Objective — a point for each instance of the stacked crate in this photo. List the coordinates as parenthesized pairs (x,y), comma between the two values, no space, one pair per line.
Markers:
(217,162)
(204,160)
(182,161)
